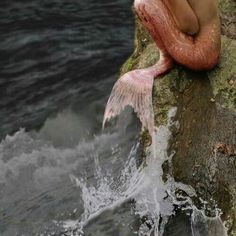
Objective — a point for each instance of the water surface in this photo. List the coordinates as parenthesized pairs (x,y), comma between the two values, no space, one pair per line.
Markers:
(59,60)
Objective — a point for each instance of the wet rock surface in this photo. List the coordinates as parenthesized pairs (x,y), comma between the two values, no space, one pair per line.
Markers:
(205,143)
(228,17)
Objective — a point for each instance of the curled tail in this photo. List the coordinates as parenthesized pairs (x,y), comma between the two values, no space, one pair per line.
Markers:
(200,52)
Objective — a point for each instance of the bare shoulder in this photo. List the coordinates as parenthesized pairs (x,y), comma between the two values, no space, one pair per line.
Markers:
(206,10)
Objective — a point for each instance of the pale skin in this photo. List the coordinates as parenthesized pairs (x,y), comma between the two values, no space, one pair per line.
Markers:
(186,32)
(191,15)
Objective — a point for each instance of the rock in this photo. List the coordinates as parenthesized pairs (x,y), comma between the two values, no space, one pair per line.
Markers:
(206,113)
(228,17)
(207,123)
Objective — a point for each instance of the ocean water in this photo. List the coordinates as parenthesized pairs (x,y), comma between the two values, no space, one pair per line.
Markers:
(59,60)
(58,54)
(60,174)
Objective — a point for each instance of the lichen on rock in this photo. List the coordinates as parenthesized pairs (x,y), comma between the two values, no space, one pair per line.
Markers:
(223,77)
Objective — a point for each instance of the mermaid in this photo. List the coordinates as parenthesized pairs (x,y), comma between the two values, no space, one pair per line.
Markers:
(186,32)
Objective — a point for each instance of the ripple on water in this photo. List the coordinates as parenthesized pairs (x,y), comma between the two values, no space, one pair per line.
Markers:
(49,51)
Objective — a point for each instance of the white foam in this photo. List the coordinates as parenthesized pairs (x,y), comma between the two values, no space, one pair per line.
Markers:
(144,184)
(153,197)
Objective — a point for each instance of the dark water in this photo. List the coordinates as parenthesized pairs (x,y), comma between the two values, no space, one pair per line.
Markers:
(58,62)
(57,54)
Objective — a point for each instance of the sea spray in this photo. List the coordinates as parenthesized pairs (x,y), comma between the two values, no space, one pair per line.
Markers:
(108,193)
(201,225)
(155,200)
(143,184)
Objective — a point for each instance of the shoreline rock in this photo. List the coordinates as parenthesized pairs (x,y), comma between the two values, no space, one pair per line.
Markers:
(205,142)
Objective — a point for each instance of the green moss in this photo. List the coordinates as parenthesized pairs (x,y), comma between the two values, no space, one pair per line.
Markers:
(231,216)
(164,96)
(227,6)
(223,78)
(142,38)
(128,65)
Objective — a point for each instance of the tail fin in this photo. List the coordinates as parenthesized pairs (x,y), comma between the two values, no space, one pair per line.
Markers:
(133,89)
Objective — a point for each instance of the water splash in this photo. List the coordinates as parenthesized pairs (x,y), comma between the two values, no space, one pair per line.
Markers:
(109,191)
(34,172)
(201,225)
(155,200)
(143,184)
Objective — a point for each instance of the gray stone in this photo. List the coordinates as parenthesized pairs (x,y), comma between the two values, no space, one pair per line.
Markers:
(205,143)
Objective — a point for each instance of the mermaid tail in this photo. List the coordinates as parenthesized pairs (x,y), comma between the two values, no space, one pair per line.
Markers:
(135,89)
(199,53)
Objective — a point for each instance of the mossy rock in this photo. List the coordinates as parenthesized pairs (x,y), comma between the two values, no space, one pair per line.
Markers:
(223,77)
(206,113)
(207,116)
(227,6)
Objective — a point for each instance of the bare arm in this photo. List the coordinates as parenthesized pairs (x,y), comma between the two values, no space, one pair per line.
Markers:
(184,16)
(205,10)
